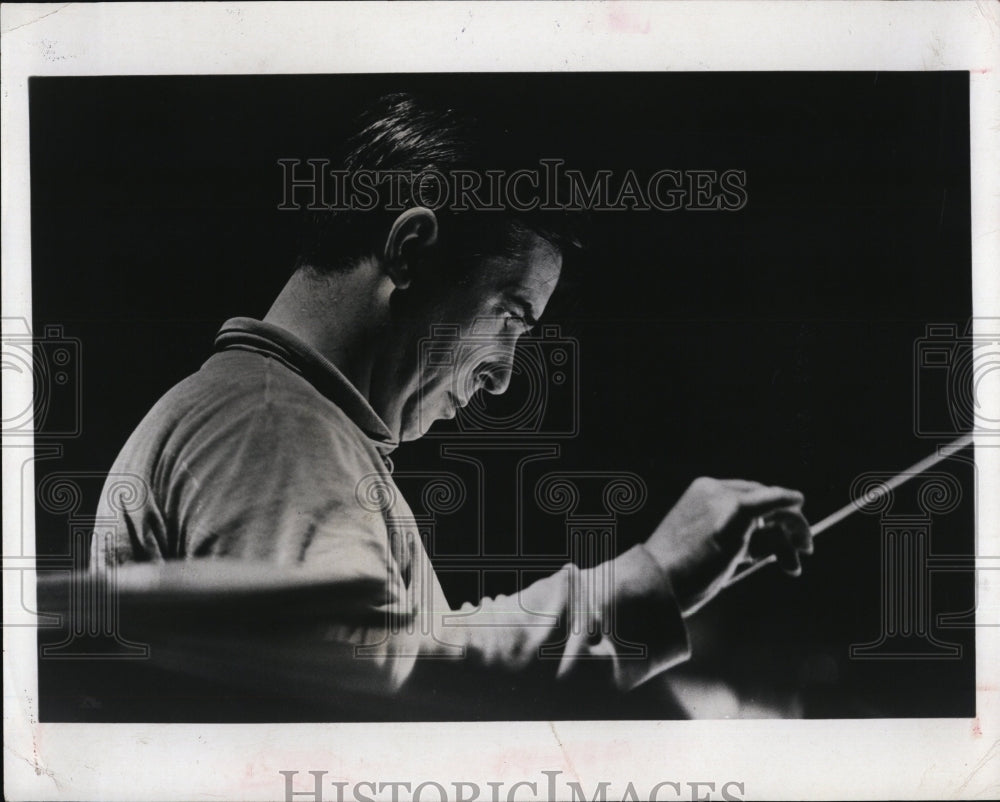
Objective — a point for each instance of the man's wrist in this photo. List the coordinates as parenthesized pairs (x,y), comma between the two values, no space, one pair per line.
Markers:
(673,576)
(647,612)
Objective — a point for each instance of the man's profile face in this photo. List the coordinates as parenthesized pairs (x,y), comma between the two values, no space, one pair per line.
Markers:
(464,340)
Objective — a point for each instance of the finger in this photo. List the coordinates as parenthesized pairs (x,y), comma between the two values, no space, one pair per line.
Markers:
(753,505)
(795,526)
(765,499)
(791,565)
(775,540)
(744,486)
(741,485)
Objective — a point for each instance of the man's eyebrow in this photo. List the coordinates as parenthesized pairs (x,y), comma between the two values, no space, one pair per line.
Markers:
(527,310)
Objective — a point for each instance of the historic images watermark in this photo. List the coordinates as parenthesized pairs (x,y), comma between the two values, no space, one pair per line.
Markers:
(954,369)
(44,413)
(591,536)
(311,184)
(906,625)
(544,404)
(314,786)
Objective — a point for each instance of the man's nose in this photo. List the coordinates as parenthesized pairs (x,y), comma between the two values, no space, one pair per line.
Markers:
(495,377)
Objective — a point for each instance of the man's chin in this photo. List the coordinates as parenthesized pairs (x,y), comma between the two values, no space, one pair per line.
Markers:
(423,424)
(411,434)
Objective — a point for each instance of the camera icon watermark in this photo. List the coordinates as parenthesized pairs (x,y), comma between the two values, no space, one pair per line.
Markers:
(543,396)
(46,370)
(956,382)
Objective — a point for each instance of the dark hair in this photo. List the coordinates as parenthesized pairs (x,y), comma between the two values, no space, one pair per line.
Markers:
(415,135)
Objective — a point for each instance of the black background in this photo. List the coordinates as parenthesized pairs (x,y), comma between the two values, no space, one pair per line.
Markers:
(774,343)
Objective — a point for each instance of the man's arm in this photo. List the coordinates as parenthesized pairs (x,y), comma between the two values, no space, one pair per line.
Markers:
(296,516)
(623,619)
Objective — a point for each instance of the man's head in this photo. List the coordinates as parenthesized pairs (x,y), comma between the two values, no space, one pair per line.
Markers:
(469,282)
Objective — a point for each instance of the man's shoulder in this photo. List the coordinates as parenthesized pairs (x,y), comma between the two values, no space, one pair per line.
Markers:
(243,440)
(237,383)
(235,394)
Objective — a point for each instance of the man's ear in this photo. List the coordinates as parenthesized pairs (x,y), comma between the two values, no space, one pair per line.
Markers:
(413,229)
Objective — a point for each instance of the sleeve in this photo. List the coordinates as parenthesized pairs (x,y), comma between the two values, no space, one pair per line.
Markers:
(619,617)
(616,623)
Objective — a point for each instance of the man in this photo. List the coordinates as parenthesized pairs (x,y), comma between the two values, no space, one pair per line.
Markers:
(274,457)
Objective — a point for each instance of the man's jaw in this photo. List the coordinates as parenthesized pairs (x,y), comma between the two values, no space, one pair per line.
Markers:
(451,407)
(423,417)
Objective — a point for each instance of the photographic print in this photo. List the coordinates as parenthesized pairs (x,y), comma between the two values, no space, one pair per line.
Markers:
(771,265)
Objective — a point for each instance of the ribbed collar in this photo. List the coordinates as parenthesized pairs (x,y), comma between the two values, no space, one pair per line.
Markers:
(247,334)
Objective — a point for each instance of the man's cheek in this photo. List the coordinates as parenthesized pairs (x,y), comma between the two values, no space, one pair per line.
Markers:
(472,362)
(434,391)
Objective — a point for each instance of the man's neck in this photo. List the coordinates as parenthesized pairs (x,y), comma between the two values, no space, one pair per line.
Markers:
(336,315)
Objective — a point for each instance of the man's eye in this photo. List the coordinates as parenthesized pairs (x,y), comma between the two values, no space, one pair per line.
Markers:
(509,317)
(514,321)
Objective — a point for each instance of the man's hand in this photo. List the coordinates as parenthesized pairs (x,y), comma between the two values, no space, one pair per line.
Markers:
(706,536)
